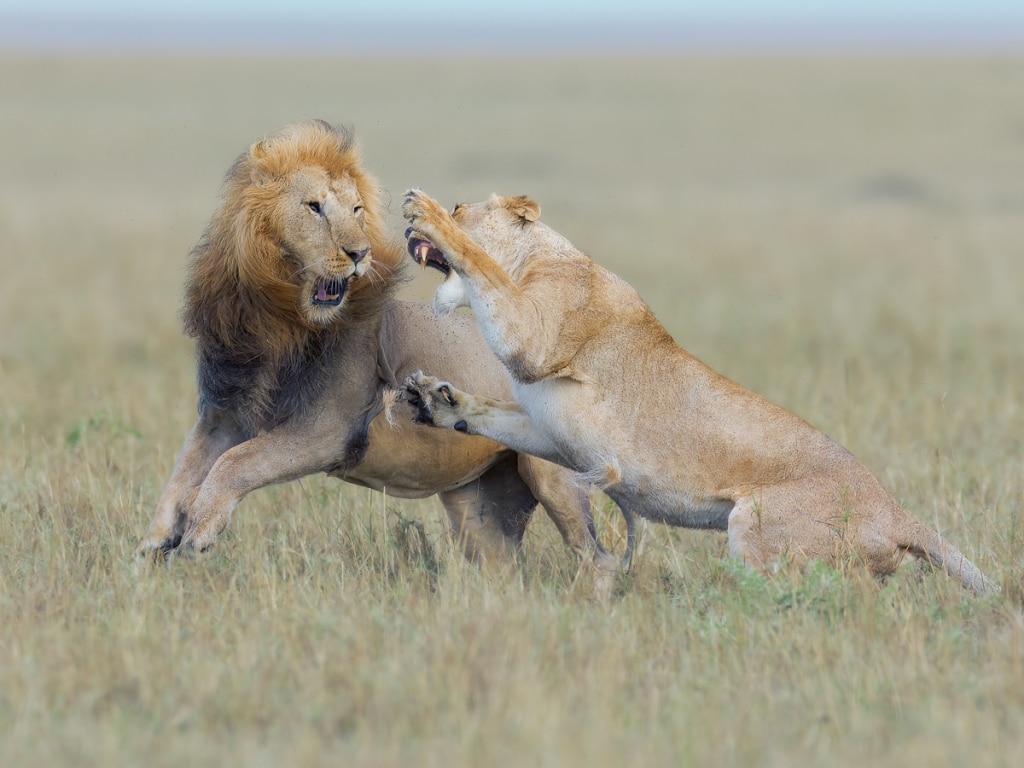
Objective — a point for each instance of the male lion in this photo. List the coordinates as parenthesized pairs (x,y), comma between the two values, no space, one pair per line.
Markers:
(289,298)
(601,387)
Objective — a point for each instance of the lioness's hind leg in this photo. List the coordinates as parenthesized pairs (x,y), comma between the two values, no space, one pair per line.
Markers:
(789,524)
(747,536)
(762,535)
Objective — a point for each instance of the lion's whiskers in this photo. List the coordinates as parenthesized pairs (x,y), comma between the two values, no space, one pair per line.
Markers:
(380,273)
(300,270)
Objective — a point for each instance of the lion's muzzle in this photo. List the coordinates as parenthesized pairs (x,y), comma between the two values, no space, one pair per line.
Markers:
(328,292)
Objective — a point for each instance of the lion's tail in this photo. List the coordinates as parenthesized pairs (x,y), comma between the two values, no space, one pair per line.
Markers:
(925,543)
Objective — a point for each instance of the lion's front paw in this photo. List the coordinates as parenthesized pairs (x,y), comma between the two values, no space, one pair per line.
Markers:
(436,402)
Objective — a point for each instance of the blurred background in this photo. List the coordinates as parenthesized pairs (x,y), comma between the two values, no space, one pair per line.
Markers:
(806,172)
(822,200)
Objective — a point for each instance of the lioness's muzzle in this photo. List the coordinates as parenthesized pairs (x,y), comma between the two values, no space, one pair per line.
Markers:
(425,254)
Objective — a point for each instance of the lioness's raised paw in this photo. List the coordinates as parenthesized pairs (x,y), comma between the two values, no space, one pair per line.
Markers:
(436,402)
(423,212)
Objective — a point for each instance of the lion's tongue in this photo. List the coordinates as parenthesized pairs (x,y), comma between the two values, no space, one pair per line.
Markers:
(321,290)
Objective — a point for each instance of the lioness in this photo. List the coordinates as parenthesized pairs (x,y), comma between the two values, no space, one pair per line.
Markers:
(290,299)
(601,387)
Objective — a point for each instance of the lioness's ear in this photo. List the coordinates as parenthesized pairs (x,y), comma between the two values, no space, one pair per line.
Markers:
(523,207)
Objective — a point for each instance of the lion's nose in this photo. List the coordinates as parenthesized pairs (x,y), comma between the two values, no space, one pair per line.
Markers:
(357,256)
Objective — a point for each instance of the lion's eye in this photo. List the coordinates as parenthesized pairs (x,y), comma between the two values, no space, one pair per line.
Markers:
(456,208)
(358,209)
(314,206)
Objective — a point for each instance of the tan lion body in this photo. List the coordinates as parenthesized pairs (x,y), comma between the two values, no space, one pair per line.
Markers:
(601,387)
(289,299)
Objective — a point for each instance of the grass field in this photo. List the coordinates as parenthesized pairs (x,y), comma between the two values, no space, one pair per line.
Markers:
(843,235)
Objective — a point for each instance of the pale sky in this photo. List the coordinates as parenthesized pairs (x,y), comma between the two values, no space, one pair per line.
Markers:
(920,22)
(541,10)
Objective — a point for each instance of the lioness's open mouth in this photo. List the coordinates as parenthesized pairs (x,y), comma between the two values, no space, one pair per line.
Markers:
(425,254)
(328,292)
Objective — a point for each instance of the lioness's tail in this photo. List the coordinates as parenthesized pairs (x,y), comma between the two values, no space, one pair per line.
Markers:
(926,543)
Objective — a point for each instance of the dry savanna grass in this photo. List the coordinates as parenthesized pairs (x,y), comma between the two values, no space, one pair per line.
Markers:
(841,234)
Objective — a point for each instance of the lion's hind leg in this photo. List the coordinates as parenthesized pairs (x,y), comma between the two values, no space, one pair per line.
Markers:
(489,515)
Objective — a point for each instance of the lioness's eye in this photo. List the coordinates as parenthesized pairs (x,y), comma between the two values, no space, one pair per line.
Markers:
(456,208)
(314,206)
(358,209)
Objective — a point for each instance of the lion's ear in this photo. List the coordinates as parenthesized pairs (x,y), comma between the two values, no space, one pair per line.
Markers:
(257,154)
(523,207)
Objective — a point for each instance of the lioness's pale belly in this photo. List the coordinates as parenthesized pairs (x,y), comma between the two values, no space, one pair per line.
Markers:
(571,417)
(590,435)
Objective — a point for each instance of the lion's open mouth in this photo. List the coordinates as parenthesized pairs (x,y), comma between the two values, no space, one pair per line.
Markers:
(425,254)
(328,292)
